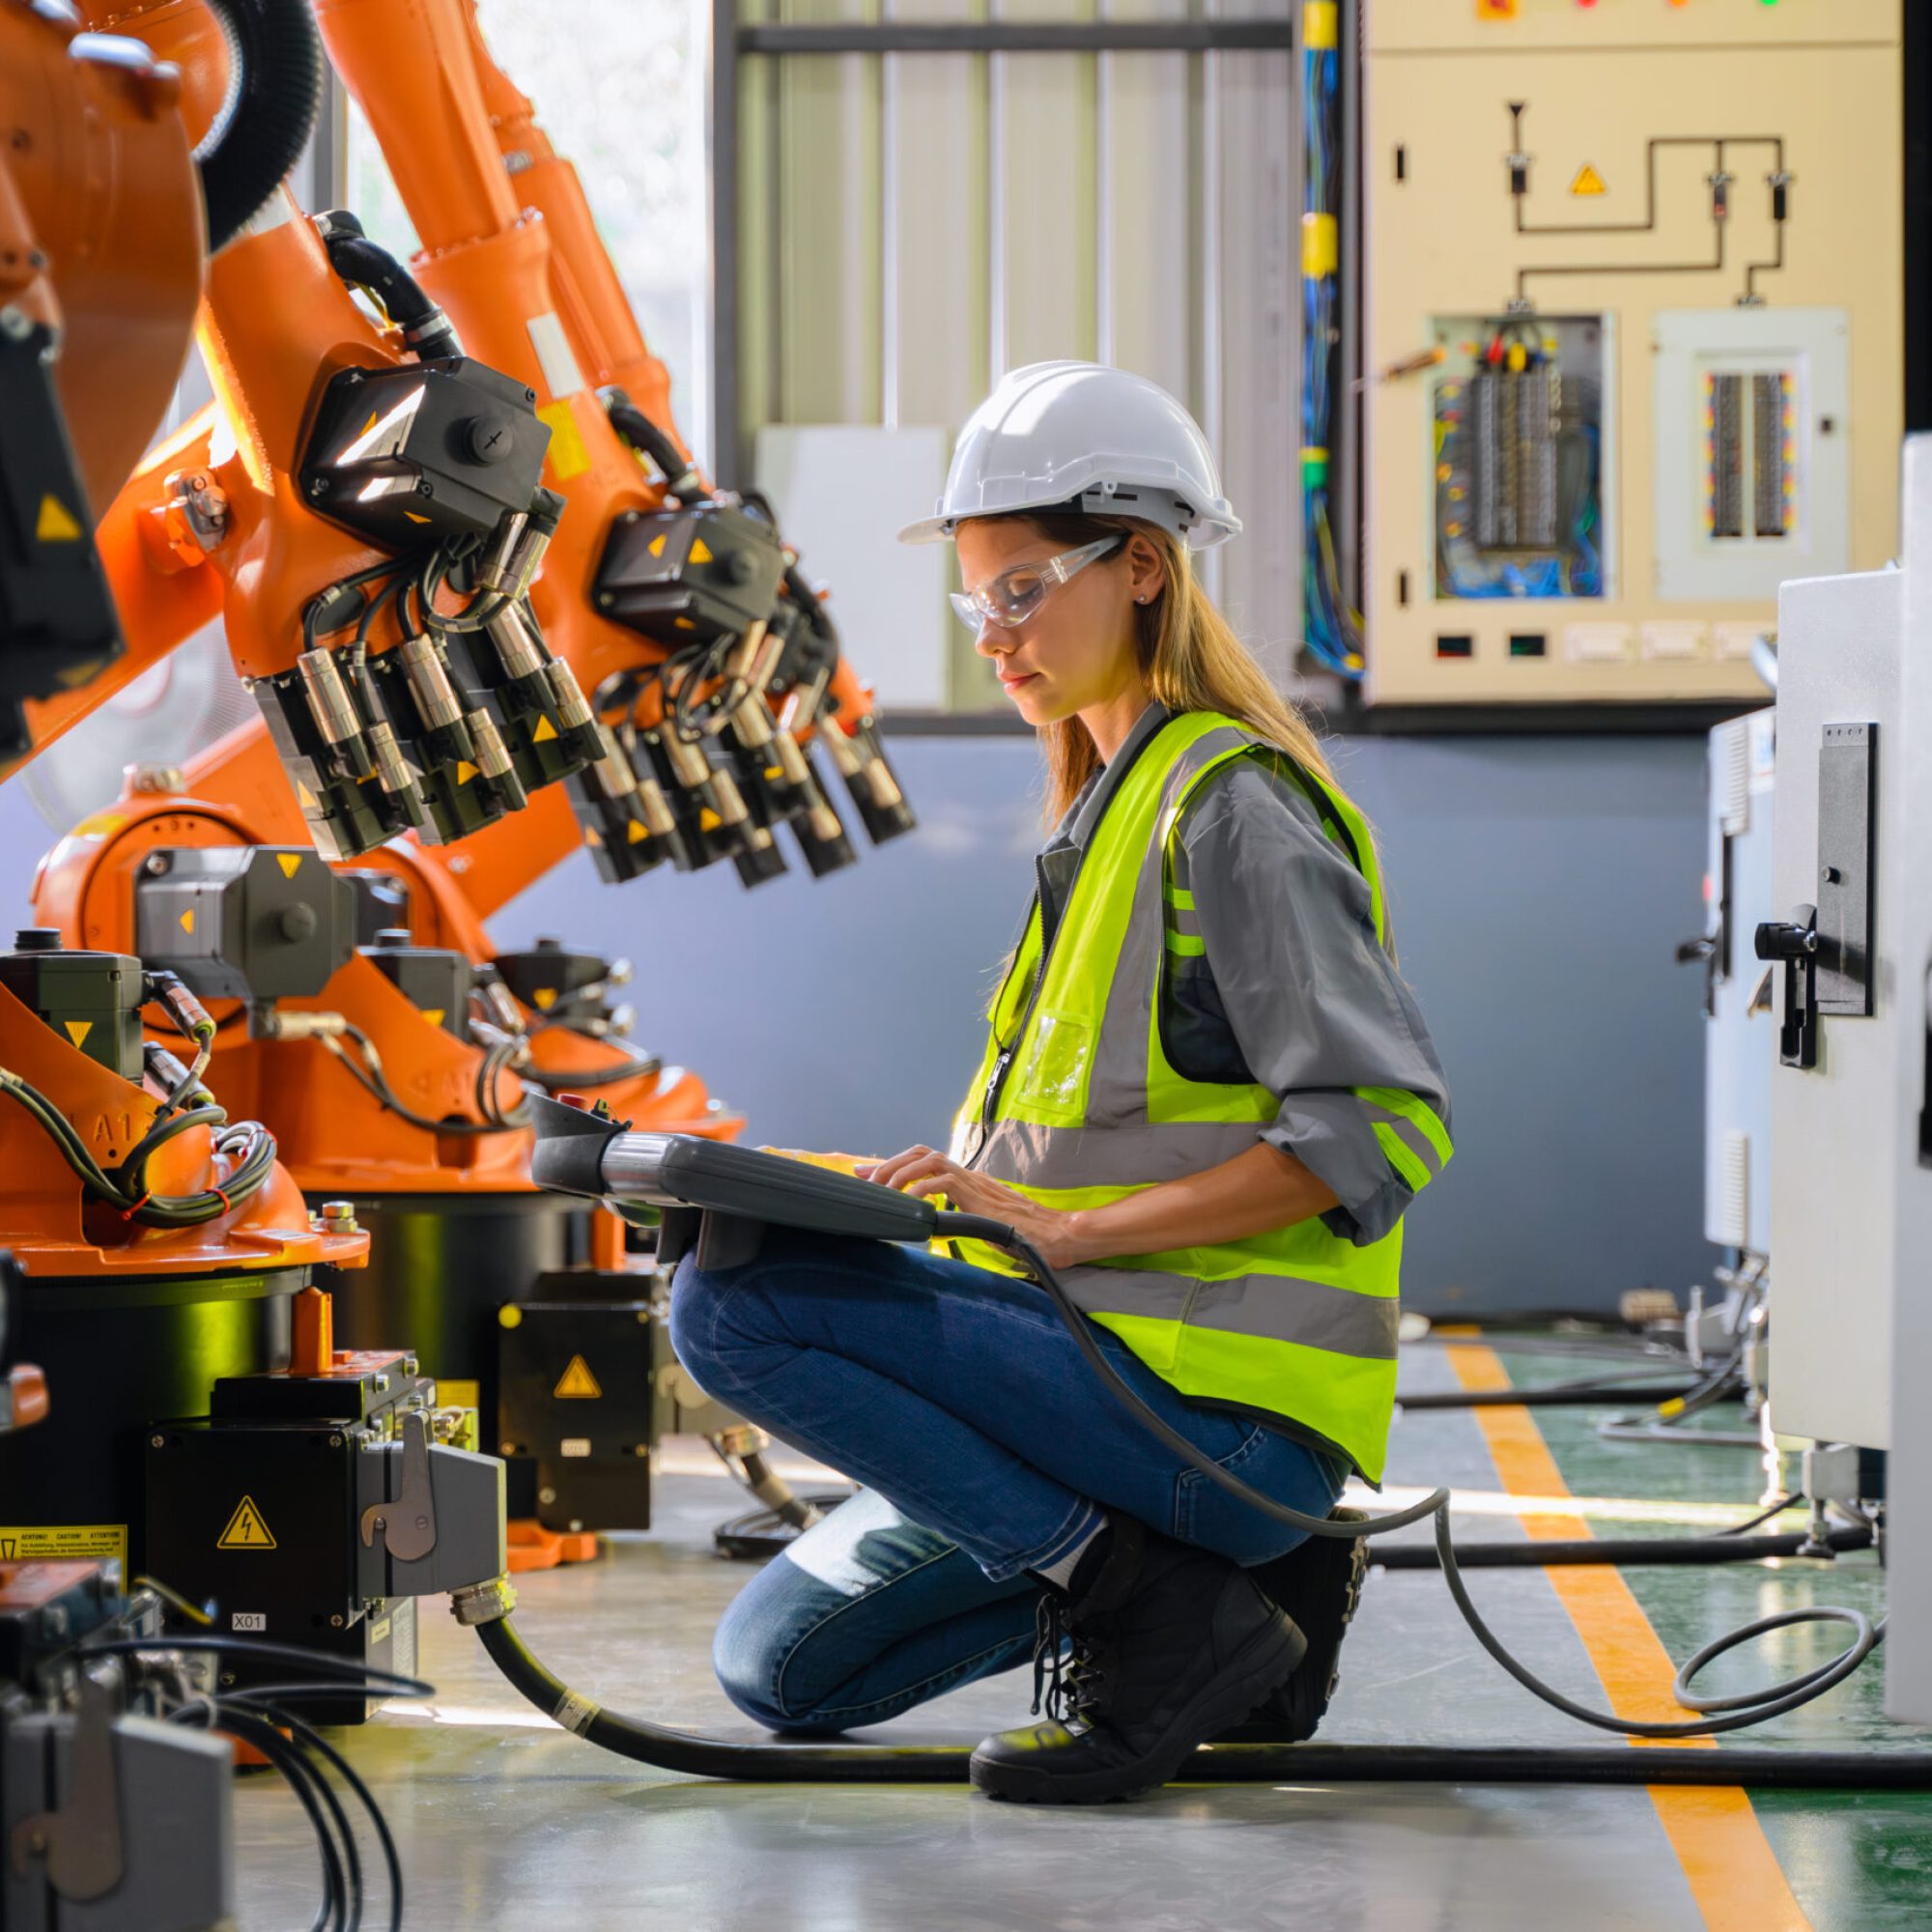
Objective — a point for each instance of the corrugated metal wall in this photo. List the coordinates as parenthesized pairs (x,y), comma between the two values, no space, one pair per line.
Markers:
(913,225)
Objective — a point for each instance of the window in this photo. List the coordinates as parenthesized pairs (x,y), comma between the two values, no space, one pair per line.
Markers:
(620,86)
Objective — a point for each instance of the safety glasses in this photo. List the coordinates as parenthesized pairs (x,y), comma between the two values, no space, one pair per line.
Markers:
(1010,597)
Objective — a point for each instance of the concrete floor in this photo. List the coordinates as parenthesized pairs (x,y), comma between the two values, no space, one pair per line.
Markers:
(505,1821)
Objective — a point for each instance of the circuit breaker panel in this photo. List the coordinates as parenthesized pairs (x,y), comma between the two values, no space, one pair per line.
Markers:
(1635,358)
(1516,432)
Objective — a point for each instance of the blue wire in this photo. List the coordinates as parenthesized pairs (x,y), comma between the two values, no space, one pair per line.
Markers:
(1326,633)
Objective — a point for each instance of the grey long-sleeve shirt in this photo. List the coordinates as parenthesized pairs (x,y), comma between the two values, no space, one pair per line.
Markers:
(1291,990)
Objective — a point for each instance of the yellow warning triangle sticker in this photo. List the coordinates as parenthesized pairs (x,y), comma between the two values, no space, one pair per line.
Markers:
(684,623)
(57,523)
(592,837)
(544,999)
(656,546)
(1588,182)
(708,820)
(576,1383)
(635,833)
(433,1014)
(187,920)
(413,517)
(304,797)
(700,552)
(545,730)
(78,1030)
(465,770)
(289,862)
(245,1529)
(371,423)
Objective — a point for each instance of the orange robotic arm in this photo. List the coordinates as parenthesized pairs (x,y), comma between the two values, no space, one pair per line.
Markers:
(683,613)
(118,1163)
(101,247)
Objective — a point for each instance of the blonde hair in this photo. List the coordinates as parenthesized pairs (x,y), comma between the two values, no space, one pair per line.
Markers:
(1189,657)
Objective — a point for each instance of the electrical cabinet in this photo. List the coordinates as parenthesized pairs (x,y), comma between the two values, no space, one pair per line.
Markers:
(1632,341)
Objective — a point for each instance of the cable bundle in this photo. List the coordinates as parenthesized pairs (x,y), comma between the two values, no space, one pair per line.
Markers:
(259,1717)
(365,1067)
(246,1146)
(1333,628)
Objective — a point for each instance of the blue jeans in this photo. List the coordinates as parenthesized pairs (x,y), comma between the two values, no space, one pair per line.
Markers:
(987,1448)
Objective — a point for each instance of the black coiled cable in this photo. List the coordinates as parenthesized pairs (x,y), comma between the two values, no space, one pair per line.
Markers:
(805,1763)
(275,98)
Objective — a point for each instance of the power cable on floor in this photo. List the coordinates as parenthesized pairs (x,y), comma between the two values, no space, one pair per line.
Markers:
(681,1751)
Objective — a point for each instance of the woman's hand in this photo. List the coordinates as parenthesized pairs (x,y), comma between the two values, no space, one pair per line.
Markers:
(1057,1233)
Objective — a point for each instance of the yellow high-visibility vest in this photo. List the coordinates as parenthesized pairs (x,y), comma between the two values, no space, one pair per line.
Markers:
(1076,1105)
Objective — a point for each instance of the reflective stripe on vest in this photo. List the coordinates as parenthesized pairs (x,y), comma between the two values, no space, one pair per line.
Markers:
(1075,1105)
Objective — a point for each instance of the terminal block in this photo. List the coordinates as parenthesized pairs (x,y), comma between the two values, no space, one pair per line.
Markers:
(1517,490)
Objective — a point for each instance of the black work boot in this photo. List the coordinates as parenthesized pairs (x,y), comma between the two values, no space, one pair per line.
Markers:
(1170,1646)
(1318,1586)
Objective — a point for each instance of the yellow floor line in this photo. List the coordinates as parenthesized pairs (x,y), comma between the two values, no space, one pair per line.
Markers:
(1733,1874)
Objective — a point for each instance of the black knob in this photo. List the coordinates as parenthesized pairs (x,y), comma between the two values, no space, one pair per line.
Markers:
(1781,939)
(299,922)
(38,939)
(741,566)
(393,936)
(490,439)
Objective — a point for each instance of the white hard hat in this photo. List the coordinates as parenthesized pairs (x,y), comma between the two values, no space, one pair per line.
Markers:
(1079,436)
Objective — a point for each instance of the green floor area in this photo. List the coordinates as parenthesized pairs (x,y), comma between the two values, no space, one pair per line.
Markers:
(1859,1860)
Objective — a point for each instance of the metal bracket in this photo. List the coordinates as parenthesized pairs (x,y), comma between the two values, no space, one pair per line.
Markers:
(81,1842)
(1925,1085)
(1795,942)
(408,1523)
(728,1240)
(1705,951)
(1847,817)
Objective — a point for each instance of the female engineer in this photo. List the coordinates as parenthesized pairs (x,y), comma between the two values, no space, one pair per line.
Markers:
(1207,1097)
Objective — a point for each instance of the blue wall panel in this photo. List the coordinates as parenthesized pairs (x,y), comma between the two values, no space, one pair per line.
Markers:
(1538,886)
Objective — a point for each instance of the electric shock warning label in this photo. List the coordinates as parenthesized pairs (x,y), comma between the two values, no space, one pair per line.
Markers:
(577,1384)
(245,1529)
(64,1542)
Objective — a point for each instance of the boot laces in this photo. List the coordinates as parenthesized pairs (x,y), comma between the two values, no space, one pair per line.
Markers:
(1070,1674)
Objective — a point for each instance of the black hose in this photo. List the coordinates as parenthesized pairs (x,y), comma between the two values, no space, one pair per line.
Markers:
(711,1757)
(1556,1395)
(1623,1550)
(761,1535)
(275,99)
(1764,1514)
(302,1778)
(693,1755)
(363,264)
(681,480)
(633,1066)
(758,1535)
(307,1737)
(1498,1321)
(1596,1345)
